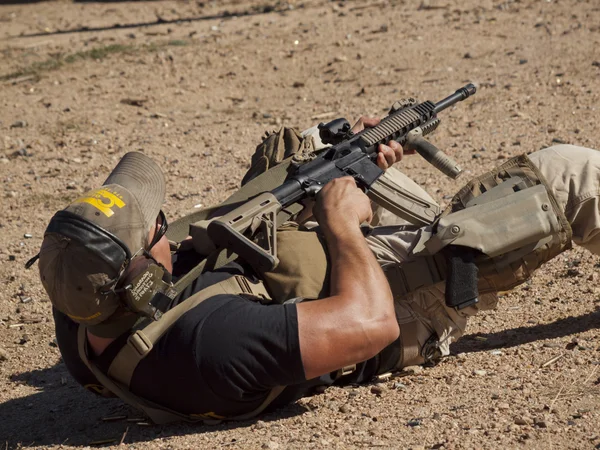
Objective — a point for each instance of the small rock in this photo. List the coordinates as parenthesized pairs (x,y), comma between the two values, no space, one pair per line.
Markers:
(571,345)
(503,406)
(414,422)
(522,61)
(522,421)
(3,355)
(398,385)
(19,124)
(413,369)
(344,409)
(271,445)
(462,356)
(592,277)
(552,345)
(480,373)
(377,389)
(260,424)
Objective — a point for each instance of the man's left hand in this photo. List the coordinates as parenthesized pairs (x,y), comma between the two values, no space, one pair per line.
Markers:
(388,154)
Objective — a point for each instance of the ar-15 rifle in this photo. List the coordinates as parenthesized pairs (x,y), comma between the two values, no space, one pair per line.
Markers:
(250,229)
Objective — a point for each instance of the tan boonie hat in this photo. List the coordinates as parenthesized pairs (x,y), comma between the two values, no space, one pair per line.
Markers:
(86,244)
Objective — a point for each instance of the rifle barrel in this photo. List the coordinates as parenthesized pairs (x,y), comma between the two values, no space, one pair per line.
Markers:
(461,94)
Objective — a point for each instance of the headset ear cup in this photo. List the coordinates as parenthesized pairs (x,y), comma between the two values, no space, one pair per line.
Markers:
(142,289)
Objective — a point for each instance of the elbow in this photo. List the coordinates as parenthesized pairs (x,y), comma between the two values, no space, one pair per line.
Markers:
(378,335)
(389,331)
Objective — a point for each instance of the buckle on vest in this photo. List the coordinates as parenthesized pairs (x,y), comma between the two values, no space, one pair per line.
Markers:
(140,343)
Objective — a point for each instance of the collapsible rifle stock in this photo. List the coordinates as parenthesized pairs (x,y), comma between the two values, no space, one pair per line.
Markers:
(250,229)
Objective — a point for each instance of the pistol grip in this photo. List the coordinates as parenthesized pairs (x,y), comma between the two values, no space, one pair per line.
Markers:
(461,281)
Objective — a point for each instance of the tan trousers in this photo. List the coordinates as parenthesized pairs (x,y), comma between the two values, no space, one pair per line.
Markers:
(572,173)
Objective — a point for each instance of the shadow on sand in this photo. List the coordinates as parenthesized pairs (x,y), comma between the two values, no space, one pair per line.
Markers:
(524,335)
(62,412)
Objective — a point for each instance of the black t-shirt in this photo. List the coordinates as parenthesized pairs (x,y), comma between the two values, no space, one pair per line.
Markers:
(221,358)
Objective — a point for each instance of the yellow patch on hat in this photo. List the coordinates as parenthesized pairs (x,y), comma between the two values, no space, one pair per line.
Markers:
(103,200)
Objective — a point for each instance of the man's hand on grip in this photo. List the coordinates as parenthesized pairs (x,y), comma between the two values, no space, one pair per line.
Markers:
(341,205)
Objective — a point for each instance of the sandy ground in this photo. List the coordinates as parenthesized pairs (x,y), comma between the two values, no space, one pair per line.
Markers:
(195,85)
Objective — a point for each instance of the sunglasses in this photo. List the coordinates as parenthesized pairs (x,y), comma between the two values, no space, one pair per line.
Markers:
(160,230)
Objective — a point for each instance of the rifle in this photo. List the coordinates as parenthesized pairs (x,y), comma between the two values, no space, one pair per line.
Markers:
(250,229)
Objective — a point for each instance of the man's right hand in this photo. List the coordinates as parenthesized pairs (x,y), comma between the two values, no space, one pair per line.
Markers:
(358,319)
(342,206)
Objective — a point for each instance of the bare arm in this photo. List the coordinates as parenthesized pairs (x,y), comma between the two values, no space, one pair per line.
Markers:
(358,319)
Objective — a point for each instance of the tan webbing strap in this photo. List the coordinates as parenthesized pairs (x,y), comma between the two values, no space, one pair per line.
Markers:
(410,354)
(266,402)
(141,342)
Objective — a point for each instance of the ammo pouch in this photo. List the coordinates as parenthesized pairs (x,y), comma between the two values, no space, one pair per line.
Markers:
(511,220)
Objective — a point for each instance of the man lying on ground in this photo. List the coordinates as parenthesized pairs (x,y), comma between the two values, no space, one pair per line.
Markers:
(340,308)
